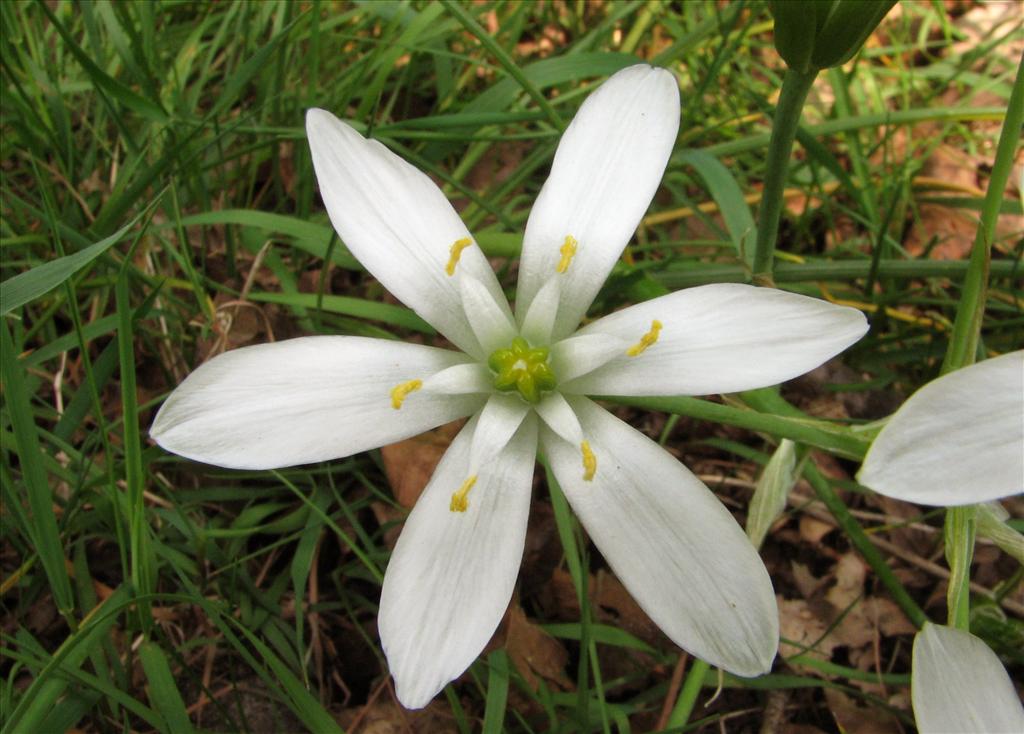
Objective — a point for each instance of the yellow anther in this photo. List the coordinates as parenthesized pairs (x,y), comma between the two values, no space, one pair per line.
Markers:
(568,250)
(456,252)
(589,461)
(459,502)
(646,340)
(400,392)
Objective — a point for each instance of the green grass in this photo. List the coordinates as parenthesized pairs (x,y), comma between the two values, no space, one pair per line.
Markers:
(155,174)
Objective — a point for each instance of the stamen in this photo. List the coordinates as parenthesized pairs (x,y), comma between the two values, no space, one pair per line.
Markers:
(459,502)
(646,340)
(400,392)
(589,462)
(568,250)
(456,252)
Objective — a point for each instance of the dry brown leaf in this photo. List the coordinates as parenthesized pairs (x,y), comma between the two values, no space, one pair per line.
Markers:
(850,573)
(384,716)
(813,530)
(948,232)
(864,619)
(799,623)
(618,608)
(852,718)
(535,653)
(808,584)
(409,464)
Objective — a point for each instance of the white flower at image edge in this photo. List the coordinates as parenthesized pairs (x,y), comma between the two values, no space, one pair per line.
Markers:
(959,685)
(523,378)
(959,440)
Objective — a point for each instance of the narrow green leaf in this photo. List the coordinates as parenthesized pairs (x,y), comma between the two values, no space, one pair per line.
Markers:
(49,684)
(602,633)
(162,691)
(45,533)
(147,108)
(256,63)
(497,693)
(141,558)
(564,522)
(831,437)
(24,287)
(305,235)
(729,197)
(72,708)
(361,308)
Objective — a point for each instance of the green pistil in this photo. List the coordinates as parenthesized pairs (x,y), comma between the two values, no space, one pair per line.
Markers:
(523,368)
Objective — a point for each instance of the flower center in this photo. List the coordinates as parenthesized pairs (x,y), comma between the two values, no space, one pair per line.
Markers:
(522,368)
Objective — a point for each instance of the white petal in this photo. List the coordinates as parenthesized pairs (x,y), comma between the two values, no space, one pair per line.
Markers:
(958,440)
(499,420)
(461,379)
(959,685)
(560,418)
(304,400)
(582,354)
(452,573)
(671,542)
(720,338)
(606,169)
(397,223)
(490,320)
(540,317)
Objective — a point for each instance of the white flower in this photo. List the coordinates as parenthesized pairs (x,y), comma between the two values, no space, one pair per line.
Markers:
(958,685)
(523,379)
(957,441)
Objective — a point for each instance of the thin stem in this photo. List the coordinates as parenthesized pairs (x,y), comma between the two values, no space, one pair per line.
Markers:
(795,86)
(963,344)
(688,695)
(676,278)
(833,438)
(959,537)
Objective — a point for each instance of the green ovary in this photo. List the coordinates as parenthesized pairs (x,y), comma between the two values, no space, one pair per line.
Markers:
(522,368)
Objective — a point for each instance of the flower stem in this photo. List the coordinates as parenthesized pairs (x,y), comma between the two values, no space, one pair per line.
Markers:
(959,538)
(835,439)
(795,86)
(678,277)
(963,344)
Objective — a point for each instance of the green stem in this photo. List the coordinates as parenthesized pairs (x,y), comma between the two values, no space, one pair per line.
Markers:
(963,343)
(874,120)
(863,544)
(676,278)
(959,538)
(688,695)
(820,434)
(795,86)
